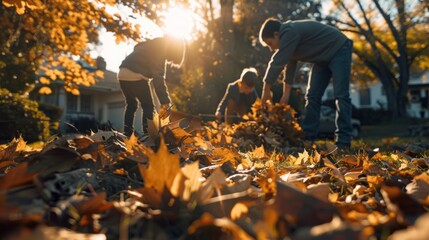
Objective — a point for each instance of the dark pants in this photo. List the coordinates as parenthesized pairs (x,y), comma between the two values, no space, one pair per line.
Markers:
(338,69)
(135,92)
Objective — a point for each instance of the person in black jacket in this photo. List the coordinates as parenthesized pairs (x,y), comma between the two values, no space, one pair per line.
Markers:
(144,66)
(239,97)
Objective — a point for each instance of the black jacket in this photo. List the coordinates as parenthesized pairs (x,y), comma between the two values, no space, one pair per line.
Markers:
(149,59)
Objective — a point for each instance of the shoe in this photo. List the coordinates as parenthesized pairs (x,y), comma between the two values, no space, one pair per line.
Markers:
(143,137)
(343,149)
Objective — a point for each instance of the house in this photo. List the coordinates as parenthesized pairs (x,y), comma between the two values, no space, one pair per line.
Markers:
(102,103)
(374,96)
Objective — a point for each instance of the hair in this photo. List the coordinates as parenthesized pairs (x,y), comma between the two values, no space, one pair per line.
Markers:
(268,28)
(176,50)
(249,76)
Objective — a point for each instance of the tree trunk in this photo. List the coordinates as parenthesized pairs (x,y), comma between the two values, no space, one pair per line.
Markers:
(404,78)
(227,27)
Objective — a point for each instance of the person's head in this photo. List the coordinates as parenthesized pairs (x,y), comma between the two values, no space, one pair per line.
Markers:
(248,79)
(269,34)
(176,49)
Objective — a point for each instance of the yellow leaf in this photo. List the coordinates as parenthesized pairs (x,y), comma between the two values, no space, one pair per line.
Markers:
(238,210)
(258,152)
(193,183)
(99,74)
(45,90)
(44,80)
(75,91)
(302,158)
(162,170)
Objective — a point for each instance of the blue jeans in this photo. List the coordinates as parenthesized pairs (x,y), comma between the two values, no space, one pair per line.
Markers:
(339,68)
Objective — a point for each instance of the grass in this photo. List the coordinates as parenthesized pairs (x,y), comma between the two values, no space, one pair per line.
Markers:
(387,133)
(390,132)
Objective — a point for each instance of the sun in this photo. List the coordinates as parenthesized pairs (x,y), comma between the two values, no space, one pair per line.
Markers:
(179,22)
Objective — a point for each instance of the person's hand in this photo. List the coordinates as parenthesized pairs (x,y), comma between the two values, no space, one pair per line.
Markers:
(165,111)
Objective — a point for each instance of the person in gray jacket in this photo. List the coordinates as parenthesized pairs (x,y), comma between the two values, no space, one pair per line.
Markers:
(145,65)
(239,97)
(330,51)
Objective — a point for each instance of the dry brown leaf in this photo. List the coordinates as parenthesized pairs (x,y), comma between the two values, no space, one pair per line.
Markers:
(53,159)
(5,164)
(163,168)
(375,181)
(227,228)
(335,172)
(12,150)
(130,143)
(16,177)
(222,155)
(214,183)
(320,191)
(82,142)
(336,229)
(266,228)
(302,209)
(419,231)
(268,184)
(96,204)
(193,180)
(258,152)
(350,159)
(401,203)
(55,233)
(419,188)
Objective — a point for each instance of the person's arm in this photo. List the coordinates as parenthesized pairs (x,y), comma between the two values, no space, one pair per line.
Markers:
(220,111)
(266,92)
(279,60)
(287,84)
(160,85)
(286,93)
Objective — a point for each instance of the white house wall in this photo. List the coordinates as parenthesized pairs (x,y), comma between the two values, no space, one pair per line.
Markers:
(377,97)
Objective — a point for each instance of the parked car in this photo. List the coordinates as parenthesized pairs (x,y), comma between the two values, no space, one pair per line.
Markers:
(327,123)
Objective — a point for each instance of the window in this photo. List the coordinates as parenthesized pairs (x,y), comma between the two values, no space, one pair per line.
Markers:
(86,103)
(365,96)
(330,94)
(415,96)
(71,102)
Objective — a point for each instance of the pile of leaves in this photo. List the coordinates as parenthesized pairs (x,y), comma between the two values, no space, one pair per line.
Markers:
(273,126)
(205,185)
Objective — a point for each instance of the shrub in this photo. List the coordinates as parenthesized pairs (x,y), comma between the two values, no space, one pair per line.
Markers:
(84,125)
(21,116)
(369,116)
(54,113)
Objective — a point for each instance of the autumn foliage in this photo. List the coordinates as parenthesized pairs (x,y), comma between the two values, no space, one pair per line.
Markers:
(202,184)
(53,38)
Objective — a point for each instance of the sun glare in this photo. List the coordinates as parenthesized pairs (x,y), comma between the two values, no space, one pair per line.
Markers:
(179,23)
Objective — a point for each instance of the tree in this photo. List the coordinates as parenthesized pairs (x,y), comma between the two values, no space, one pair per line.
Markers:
(51,35)
(390,38)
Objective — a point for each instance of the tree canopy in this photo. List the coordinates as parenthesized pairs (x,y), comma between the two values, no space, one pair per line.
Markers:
(51,35)
(390,39)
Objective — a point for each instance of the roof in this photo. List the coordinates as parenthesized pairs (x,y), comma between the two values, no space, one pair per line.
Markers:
(109,83)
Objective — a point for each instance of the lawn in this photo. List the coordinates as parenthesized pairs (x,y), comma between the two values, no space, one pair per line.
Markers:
(388,135)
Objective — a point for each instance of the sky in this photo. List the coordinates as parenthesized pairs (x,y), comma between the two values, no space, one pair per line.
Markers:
(178,21)
(112,53)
